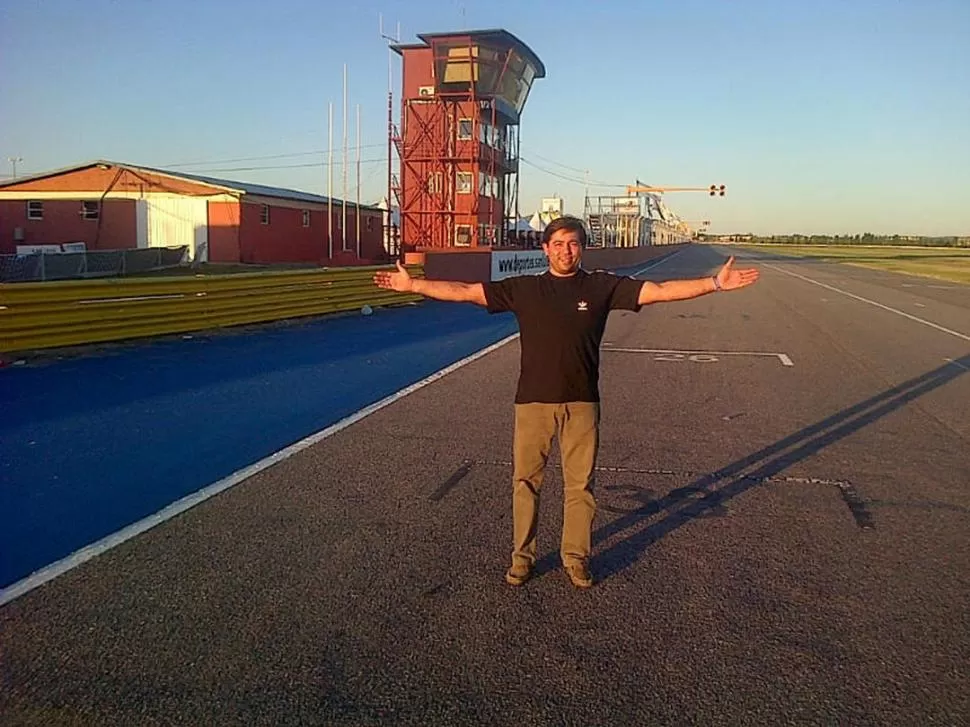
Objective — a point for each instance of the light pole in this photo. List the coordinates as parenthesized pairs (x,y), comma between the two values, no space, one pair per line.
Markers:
(13,161)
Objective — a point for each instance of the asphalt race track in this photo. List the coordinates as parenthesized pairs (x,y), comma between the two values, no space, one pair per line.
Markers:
(782,538)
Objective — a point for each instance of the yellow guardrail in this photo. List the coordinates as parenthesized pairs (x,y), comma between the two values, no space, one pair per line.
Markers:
(67,313)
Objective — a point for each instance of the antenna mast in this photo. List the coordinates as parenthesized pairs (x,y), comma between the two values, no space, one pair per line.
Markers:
(390,245)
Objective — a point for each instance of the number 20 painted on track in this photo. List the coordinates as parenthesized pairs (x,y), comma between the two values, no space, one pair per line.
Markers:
(695,357)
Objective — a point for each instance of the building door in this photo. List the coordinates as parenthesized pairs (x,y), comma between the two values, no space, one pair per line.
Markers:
(173,220)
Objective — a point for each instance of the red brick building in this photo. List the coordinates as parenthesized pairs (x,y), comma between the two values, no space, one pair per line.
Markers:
(111,206)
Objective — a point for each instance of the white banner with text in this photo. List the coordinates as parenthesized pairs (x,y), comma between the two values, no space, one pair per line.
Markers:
(521,262)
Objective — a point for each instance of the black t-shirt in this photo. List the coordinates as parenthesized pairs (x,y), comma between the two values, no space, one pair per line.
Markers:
(561,324)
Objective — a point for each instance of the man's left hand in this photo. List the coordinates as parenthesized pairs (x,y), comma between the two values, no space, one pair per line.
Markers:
(730,279)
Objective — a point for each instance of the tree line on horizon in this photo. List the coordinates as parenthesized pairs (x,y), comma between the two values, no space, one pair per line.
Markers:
(866,238)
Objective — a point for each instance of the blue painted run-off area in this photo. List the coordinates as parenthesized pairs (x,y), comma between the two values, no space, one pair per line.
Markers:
(93,443)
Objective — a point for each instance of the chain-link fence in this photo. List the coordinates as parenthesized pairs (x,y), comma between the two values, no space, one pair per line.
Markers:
(40,266)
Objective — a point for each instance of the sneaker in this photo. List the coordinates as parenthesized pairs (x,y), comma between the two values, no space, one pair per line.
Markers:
(518,574)
(579,575)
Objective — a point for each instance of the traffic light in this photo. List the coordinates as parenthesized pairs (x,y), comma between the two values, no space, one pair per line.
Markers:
(715,190)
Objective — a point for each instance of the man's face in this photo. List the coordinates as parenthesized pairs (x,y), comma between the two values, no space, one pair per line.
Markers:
(564,251)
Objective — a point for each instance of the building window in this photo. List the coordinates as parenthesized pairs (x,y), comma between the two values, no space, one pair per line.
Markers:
(89,210)
(370,223)
(264,215)
(434,182)
(463,235)
(489,134)
(463,183)
(487,185)
(464,128)
(306,218)
(35,209)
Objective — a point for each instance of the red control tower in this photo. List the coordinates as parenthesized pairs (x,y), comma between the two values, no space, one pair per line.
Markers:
(462,99)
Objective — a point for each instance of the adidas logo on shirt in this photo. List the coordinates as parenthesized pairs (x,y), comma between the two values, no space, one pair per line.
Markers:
(583,306)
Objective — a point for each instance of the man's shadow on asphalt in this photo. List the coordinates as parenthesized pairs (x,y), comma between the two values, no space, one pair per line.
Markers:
(705,497)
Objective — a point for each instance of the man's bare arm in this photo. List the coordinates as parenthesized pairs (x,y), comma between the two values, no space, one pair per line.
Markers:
(450,290)
(675,290)
(727,278)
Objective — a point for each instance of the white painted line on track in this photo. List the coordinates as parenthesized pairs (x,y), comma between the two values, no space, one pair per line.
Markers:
(924,285)
(49,572)
(957,364)
(964,336)
(655,263)
(784,358)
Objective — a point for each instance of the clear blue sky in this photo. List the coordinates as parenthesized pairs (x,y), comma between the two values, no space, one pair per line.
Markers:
(826,116)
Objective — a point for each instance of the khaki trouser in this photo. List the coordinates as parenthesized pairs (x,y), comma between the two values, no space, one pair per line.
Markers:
(576,425)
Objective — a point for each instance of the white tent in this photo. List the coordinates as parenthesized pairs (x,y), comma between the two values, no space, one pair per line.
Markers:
(395,212)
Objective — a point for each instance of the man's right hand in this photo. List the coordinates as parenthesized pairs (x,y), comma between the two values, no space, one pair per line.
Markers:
(399,281)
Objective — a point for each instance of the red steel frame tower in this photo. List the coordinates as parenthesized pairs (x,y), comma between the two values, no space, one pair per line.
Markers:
(458,146)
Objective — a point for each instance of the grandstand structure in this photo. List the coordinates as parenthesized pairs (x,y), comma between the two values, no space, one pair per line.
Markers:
(635,219)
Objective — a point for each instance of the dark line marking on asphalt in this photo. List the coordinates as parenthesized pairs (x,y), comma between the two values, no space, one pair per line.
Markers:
(435,590)
(857,506)
(687,474)
(455,478)
(920,505)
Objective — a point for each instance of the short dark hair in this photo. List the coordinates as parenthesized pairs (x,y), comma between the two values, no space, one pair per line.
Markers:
(567,223)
